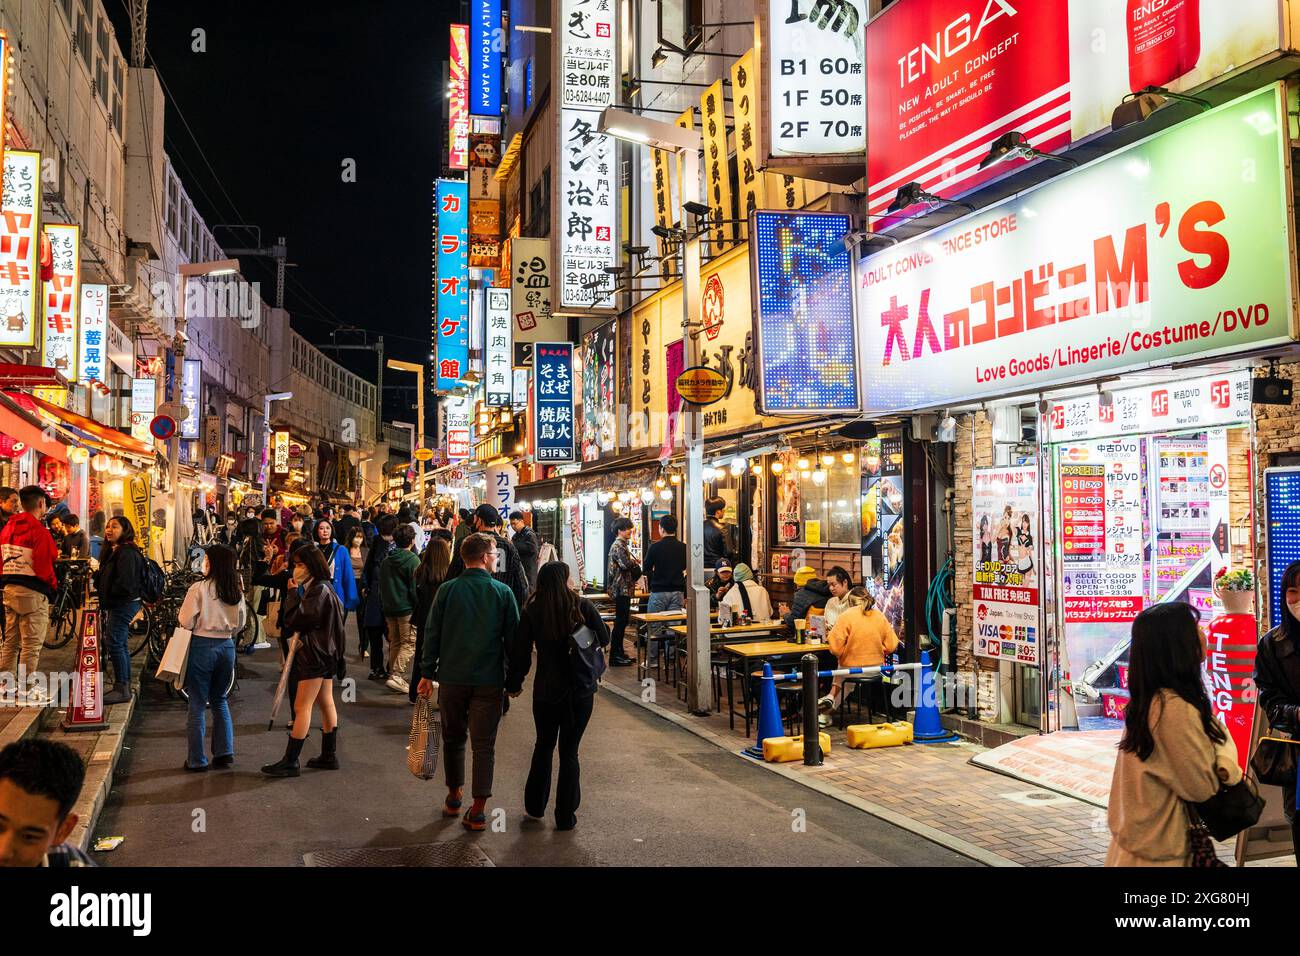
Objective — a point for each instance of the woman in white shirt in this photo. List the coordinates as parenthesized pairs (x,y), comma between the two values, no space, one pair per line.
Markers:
(214,611)
(748,595)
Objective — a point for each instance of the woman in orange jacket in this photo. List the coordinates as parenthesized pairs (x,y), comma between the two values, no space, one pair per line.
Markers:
(861,637)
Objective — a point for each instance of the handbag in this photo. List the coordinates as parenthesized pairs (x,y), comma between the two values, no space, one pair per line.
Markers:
(425,740)
(1274,762)
(1234,808)
(272,624)
(1202,854)
(588,651)
(176,656)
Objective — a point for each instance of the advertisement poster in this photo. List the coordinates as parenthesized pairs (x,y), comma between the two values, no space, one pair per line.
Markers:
(883,513)
(144,397)
(587,80)
(804,308)
(1005,507)
(1053,285)
(948,77)
(599,402)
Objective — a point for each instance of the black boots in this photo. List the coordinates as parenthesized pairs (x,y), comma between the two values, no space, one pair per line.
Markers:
(120,694)
(286,766)
(328,759)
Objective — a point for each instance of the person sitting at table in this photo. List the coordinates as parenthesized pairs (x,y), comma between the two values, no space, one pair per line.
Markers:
(722,581)
(862,637)
(811,593)
(748,595)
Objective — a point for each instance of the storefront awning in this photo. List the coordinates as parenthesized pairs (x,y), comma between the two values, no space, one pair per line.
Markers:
(22,428)
(113,439)
(13,375)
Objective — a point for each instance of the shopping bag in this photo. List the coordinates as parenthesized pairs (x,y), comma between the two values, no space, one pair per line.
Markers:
(271,626)
(175,656)
(426,737)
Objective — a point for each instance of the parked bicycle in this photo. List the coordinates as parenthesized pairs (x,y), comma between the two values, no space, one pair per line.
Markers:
(73,576)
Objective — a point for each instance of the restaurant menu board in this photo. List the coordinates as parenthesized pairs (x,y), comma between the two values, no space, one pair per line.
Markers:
(883,508)
(1282,513)
(1005,508)
(1100,487)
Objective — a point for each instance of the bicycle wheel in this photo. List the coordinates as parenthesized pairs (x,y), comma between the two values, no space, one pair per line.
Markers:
(138,631)
(252,628)
(158,635)
(63,626)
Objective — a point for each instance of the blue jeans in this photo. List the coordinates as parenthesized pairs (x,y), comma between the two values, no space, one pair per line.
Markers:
(207,675)
(118,629)
(661,601)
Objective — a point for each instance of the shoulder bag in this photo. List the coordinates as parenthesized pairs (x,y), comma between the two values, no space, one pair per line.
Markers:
(1274,762)
(1234,808)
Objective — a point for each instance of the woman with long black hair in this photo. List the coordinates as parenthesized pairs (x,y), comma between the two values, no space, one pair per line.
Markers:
(1277,676)
(118,583)
(1173,751)
(314,616)
(214,611)
(557,621)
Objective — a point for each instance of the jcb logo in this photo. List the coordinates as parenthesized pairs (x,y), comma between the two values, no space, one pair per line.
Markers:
(1220,394)
(1159,403)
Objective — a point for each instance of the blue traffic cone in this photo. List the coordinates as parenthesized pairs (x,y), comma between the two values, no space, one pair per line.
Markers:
(926,728)
(769,713)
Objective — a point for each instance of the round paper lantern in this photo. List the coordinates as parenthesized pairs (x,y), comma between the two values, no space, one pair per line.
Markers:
(100,462)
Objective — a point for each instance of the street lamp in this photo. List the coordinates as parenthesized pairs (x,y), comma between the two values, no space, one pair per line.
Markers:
(688,145)
(187,271)
(266,440)
(419,414)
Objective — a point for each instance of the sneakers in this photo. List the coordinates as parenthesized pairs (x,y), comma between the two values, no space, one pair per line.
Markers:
(826,704)
(397,684)
(260,646)
(476,822)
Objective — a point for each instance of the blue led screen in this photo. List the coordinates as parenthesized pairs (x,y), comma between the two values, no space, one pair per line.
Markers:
(1282,490)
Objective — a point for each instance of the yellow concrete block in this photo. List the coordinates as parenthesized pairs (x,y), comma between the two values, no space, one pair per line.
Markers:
(864,736)
(786,749)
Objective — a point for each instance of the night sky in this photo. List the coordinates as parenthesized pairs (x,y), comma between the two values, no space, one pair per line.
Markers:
(286,91)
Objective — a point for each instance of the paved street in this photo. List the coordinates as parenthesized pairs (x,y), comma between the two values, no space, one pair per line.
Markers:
(653,795)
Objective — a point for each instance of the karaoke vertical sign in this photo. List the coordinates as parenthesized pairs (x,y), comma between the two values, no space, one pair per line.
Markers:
(451,321)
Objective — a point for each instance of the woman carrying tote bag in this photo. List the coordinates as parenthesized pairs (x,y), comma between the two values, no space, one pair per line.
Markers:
(563,627)
(1173,752)
(1277,676)
(214,611)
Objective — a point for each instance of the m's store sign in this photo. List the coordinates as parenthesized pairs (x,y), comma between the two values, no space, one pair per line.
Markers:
(945,78)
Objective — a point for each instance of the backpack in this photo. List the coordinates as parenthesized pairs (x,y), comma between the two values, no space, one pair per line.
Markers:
(152,582)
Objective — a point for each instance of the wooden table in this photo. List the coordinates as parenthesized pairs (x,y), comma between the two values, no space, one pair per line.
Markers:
(645,619)
(758,650)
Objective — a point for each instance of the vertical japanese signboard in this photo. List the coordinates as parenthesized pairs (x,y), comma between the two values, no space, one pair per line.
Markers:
(804,298)
(93,357)
(744,104)
(452,299)
(553,403)
(502,480)
(814,85)
(139,493)
(586,78)
(486,45)
(280,453)
(458,100)
(499,350)
(144,398)
(717,177)
(20,249)
(664,212)
(531,290)
(1005,509)
(61,300)
(457,412)
(191,386)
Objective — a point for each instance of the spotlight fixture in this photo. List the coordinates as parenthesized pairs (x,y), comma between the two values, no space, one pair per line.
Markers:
(632,250)
(1015,145)
(855,239)
(911,194)
(858,431)
(695,208)
(1137,107)
(658,58)
(668,232)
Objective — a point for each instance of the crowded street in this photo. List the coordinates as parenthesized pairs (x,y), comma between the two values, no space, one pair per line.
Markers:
(767,439)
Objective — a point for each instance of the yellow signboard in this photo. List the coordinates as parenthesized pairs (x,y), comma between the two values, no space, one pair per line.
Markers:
(423,454)
(138,510)
(702,385)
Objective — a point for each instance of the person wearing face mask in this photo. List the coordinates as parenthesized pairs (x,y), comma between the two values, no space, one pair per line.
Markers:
(1277,677)
(339,563)
(214,611)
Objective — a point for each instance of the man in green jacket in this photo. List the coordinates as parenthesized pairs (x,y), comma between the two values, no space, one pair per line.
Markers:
(397,595)
(471,624)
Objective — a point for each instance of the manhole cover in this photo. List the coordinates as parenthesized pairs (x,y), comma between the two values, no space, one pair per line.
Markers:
(421,854)
(1040,795)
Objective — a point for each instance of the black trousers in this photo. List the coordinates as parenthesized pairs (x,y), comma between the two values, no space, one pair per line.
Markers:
(376,636)
(564,721)
(622,614)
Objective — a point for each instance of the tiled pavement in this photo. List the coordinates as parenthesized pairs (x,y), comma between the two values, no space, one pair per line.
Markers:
(932,790)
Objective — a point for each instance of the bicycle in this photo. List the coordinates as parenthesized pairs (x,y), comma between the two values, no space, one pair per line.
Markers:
(73,580)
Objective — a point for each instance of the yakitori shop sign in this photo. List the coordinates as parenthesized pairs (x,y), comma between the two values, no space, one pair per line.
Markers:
(1176,247)
(945,78)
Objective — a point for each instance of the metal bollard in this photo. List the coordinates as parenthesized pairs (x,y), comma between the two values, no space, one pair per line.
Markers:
(812,743)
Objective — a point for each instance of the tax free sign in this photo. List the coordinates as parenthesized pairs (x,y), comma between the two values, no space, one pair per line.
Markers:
(1177,247)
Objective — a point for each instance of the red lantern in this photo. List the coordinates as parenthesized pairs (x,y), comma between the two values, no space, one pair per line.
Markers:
(47,258)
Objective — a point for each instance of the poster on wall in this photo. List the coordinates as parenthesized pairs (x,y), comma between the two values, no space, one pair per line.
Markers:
(1053,286)
(804,308)
(946,78)
(1004,509)
(599,401)
(883,524)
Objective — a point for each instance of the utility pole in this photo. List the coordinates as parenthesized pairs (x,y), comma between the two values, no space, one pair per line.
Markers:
(378,347)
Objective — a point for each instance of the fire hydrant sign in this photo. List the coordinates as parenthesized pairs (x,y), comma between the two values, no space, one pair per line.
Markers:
(1173,248)
(1005,509)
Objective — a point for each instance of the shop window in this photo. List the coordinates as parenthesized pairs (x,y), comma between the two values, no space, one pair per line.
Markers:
(818,506)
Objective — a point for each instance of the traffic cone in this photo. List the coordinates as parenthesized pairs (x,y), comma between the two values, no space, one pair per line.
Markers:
(926,728)
(769,714)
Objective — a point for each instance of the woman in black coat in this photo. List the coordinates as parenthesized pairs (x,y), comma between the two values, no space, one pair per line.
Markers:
(119,582)
(1277,678)
(563,688)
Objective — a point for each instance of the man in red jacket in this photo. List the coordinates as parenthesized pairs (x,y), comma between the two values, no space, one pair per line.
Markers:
(27,575)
